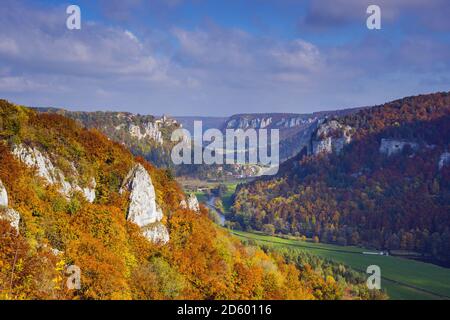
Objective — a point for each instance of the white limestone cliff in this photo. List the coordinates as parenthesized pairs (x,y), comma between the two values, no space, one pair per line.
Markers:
(3,196)
(156,233)
(191,203)
(265,121)
(330,137)
(89,191)
(34,158)
(143,209)
(291,122)
(8,214)
(149,131)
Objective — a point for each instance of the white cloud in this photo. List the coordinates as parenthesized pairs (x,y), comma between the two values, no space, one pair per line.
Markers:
(8,46)
(298,55)
(216,47)
(205,70)
(131,35)
(240,59)
(95,51)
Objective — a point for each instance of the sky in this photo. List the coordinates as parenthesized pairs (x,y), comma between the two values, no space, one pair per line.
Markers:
(218,58)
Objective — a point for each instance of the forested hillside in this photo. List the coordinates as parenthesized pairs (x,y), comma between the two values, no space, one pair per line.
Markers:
(378,178)
(68,197)
(147,136)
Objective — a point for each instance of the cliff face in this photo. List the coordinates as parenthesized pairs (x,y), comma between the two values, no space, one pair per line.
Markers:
(145,135)
(3,196)
(243,123)
(143,209)
(331,136)
(156,233)
(8,214)
(191,203)
(150,131)
(296,130)
(274,121)
(34,158)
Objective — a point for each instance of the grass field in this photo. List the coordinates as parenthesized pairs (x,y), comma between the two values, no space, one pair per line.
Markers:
(227,198)
(401,278)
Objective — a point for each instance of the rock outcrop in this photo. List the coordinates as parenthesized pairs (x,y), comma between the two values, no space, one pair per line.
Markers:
(8,214)
(331,136)
(390,147)
(149,131)
(156,233)
(293,122)
(249,121)
(3,196)
(191,203)
(143,209)
(34,158)
(89,191)
(444,160)
(244,123)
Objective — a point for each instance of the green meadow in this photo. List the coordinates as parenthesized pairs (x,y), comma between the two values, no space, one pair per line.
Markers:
(401,278)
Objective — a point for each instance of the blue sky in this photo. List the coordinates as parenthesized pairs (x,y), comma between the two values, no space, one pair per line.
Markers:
(219,58)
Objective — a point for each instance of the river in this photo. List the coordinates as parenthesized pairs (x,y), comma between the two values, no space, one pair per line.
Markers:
(211,206)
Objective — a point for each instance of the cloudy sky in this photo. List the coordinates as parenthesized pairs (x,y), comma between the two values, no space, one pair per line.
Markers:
(213,57)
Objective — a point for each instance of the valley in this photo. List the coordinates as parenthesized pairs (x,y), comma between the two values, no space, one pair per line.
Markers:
(403,279)
(213,152)
(379,178)
(207,192)
(368,180)
(260,203)
(70,197)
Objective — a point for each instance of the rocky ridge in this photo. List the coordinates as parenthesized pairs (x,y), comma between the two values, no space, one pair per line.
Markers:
(330,136)
(34,158)
(143,209)
(191,203)
(6,213)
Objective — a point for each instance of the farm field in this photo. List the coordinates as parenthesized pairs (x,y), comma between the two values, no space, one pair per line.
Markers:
(227,200)
(401,278)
